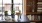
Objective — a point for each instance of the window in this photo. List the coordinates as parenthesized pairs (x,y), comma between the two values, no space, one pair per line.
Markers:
(6,1)
(18,3)
(6,5)
(0,6)
(0,10)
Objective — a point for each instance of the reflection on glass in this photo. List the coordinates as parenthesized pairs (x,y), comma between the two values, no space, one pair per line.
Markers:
(8,8)
(1,18)
(20,7)
(0,8)
(4,8)
(6,1)
(0,2)
(17,1)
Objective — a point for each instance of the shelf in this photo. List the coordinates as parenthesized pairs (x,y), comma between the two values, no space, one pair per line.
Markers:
(34,13)
(39,0)
(36,21)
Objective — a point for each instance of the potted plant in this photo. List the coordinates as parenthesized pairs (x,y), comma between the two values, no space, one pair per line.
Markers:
(12,14)
(6,13)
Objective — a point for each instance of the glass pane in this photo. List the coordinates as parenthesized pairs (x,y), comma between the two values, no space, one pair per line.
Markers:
(17,1)
(0,18)
(0,9)
(1,14)
(0,1)
(6,1)
(0,5)
(9,18)
(7,8)
(4,8)
(20,7)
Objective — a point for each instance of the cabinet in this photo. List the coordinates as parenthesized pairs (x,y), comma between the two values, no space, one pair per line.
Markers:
(32,7)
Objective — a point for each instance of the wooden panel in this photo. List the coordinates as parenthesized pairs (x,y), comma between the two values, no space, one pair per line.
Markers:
(40,0)
(30,5)
(35,17)
(34,13)
(41,17)
(29,2)
(36,21)
(29,9)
